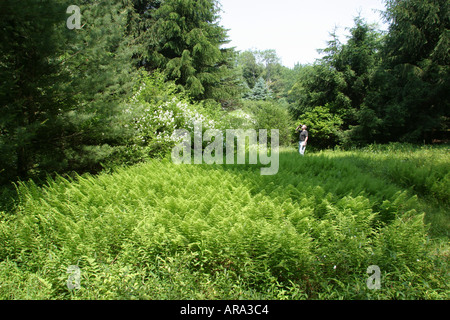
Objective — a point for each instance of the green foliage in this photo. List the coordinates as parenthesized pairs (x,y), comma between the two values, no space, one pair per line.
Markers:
(63,88)
(254,65)
(29,84)
(162,231)
(183,38)
(259,92)
(269,115)
(251,69)
(341,78)
(410,88)
(390,87)
(424,169)
(323,126)
(156,109)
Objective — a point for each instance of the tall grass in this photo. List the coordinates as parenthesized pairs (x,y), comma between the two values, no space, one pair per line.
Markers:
(161,231)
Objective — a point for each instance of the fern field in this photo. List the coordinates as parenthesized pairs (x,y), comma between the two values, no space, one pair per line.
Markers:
(162,231)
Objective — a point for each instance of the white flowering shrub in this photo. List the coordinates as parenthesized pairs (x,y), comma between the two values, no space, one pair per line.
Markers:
(241,119)
(157,109)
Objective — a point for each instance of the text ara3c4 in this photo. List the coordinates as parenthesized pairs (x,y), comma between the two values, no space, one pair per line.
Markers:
(237,309)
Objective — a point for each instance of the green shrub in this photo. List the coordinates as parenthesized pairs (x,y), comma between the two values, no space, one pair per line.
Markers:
(323,127)
(270,115)
(156,109)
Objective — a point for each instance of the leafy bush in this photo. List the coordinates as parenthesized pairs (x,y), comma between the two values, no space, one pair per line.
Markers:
(323,126)
(270,115)
(154,112)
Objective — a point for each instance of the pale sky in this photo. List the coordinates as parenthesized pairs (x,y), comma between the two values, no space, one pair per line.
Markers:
(294,28)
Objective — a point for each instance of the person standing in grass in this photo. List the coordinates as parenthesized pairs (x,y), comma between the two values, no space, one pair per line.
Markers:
(303,139)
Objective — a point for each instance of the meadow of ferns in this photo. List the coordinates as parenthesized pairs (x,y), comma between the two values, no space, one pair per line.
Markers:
(164,231)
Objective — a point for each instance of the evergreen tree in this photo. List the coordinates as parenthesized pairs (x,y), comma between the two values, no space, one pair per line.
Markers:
(30,83)
(260,91)
(99,59)
(357,61)
(60,88)
(410,93)
(341,79)
(251,70)
(253,64)
(185,41)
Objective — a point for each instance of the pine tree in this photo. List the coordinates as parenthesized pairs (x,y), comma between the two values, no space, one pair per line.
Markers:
(260,91)
(251,70)
(29,85)
(411,93)
(60,88)
(99,59)
(341,79)
(185,41)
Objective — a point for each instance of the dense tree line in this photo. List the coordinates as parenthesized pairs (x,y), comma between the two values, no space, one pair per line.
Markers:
(64,93)
(384,87)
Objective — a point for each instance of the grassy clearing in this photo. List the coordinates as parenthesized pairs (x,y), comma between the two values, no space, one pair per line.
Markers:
(161,231)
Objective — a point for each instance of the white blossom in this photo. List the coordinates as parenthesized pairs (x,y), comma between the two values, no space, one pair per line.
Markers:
(162,120)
